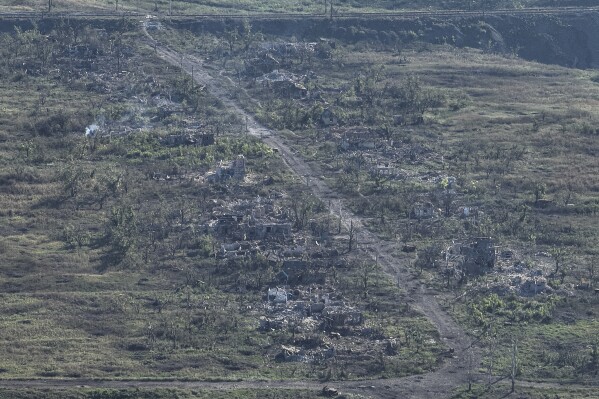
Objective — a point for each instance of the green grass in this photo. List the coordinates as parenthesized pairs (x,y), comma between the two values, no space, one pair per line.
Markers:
(502,390)
(88,393)
(555,337)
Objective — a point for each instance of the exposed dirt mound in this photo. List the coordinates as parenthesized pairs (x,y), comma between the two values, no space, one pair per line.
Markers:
(565,40)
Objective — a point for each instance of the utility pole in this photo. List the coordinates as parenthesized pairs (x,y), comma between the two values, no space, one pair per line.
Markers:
(351,235)
(514,365)
(492,345)
(470,368)
(340,219)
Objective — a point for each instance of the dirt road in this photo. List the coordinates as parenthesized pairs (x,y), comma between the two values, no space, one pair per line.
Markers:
(455,370)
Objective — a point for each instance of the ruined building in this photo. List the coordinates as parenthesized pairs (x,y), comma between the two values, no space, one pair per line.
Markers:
(479,255)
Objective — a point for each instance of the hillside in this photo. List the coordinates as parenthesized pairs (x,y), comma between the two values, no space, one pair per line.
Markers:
(387,207)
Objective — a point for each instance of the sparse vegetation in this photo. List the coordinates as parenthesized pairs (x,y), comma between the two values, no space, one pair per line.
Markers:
(147,235)
(489,167)
(118,217)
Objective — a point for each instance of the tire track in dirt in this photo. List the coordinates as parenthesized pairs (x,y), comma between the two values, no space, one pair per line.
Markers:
(455,369)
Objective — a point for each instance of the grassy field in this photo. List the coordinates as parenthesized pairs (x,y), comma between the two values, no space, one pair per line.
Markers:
(161,393)
(502,391)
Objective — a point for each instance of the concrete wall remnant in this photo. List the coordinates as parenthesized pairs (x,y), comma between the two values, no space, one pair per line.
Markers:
(271,230)
(277,295)
(231,170)
(479,255)
(423,210)
(328,117)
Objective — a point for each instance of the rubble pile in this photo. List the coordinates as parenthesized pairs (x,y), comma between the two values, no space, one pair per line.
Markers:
(308,312)
(513,276)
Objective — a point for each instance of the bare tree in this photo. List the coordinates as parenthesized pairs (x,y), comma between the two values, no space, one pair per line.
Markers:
(427,256)
(231,36)
(492,349)
(595,355)
(72,177)
(592,271)
(447,199)
(539,191)
(351,235)
(366,271)
(302,208)
(560,255)
(247,35)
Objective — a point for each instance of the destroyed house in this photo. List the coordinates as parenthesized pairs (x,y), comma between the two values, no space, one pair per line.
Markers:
(271,230)
(262,64)
(284,83)
(189,139)
(225,171)
(479,255)
(237,249)
(278,295)
(361,139)
(339,316)
(290,354)
(297,271)
(166,107)
(285,49)
(534,286)
(384,170)
(279,76)
(423,210)
(290,89)
(328,117)
(225,224)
